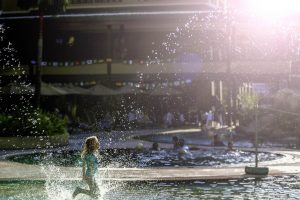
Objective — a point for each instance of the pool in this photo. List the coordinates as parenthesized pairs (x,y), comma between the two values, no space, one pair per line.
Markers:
(286,187)
(195,139)
(162,158)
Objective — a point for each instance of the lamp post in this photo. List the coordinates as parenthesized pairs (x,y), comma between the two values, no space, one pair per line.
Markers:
(229,61)
(39,59)
(53,7)
(109,53)
(256,170)
(256,136)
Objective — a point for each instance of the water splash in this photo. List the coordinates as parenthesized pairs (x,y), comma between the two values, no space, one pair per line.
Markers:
(61,183)
(16,93)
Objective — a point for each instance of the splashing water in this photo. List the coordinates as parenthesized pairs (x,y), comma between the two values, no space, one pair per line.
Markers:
(59,186)
(16,93)
(286,187)
(207,36)
(18,88)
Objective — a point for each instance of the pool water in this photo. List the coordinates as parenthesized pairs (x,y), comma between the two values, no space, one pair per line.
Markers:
(286,187)
(162,158)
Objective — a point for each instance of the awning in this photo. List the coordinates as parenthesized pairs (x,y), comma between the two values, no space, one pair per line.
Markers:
(164,91)
(102,90)
(130,90)
(17,88)
(72,89)
(50,90)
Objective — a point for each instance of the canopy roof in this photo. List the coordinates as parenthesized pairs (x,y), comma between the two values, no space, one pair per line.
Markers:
(72,89)
(130,90)
(51,90)
(17,88)
(101,90)
(164,91)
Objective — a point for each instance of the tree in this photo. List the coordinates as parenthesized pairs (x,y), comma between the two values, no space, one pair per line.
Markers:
(247,106)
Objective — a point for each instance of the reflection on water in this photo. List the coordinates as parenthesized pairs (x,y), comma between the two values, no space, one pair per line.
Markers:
(286,187)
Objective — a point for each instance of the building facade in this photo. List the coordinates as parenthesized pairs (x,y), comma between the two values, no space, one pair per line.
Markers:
(151,42)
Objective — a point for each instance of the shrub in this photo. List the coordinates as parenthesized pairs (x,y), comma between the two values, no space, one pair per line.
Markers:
(247,109)
(35,123)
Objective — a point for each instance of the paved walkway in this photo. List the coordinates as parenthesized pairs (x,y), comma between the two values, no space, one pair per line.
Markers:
(289,164)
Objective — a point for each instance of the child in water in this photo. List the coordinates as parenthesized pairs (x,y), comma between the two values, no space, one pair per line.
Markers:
(89,156)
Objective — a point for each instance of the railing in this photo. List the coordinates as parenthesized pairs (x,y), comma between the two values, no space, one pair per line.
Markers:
(215,3)
(13,5)
(137,1)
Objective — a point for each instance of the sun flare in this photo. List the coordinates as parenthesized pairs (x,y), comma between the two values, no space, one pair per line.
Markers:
(274,8)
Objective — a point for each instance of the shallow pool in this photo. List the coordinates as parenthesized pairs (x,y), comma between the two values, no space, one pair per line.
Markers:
(287,187)
(162,158)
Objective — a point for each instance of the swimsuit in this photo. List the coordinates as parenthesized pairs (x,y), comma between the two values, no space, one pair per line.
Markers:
(91,164)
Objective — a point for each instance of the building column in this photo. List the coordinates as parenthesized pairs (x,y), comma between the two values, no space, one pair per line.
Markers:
(109,51)
(213,88)
(221,91)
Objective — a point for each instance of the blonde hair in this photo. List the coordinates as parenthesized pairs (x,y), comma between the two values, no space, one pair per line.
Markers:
(91,145)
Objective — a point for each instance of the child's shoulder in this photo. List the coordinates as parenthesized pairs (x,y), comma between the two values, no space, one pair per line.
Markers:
(90,156)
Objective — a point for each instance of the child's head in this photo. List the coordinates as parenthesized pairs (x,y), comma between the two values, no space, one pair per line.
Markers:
(181,142)
(155,146)
(139,148)
(91,145)
(230,145)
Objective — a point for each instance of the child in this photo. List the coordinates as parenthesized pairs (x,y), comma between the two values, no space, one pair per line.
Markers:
(175,142)
(155,147)
(89,155)
(184,151)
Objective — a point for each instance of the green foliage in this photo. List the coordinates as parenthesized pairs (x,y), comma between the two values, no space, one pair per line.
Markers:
(248,102)
(280,121)
(286,102)
(247,109)
(35,123)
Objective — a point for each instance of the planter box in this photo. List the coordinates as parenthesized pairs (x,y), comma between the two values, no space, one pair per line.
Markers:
(257,170)
(33,142)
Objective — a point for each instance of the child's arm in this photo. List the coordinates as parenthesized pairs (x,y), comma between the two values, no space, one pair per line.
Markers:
(91,167)
(83,170)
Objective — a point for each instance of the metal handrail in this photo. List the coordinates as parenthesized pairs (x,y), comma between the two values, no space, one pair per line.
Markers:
(91,4)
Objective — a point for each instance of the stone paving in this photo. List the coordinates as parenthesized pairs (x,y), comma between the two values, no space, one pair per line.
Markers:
(289,164)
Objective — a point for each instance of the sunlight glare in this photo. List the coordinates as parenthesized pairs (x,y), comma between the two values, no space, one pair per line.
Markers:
(274,9)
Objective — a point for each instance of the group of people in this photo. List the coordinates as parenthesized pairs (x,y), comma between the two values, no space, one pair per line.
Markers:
(211,118)
(179,146)
(176,119)
(131,120)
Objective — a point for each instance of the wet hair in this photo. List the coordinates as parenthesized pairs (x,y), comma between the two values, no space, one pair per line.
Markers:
(230,145)
(181,142)
(155,146)
(91,145)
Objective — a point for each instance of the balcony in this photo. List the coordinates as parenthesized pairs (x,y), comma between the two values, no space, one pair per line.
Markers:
(12,6)
(141,3)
